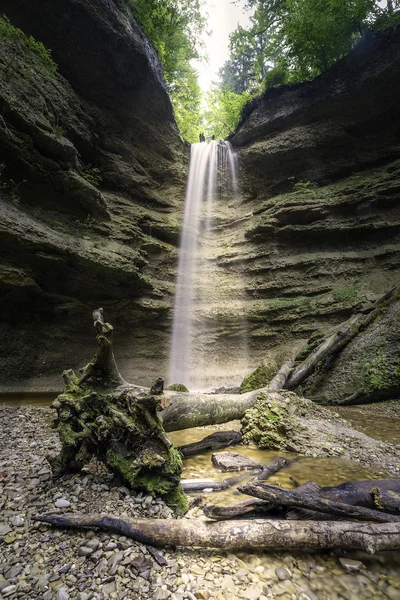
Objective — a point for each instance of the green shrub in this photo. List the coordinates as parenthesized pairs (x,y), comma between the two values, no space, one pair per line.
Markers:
(17,37)
(92,175)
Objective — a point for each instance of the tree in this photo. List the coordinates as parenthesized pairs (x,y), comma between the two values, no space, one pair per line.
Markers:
(174,27)
(224,108)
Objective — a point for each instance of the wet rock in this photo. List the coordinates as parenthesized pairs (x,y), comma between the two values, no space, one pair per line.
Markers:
(231,461)
(351,565)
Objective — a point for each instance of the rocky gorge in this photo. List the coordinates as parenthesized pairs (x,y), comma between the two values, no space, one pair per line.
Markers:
(92,182)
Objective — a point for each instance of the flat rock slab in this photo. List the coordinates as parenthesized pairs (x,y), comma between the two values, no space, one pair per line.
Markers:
(230,461)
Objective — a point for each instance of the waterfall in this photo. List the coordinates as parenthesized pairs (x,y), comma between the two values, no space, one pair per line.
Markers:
(212,174)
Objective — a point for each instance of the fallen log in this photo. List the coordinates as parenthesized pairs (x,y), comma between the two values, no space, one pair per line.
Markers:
(279,381)
(250,534)
(337,341)
(219,439)
(216,512)
(386,500)
(201,485)
(100,415)
(310,501)
(277,464)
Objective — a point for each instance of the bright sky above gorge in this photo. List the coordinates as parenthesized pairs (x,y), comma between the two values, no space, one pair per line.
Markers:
(223,18)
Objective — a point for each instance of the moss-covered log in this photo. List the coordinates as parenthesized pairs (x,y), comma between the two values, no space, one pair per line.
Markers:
(100,415)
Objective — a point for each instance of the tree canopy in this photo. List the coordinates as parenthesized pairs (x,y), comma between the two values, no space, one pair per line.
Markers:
(286,41)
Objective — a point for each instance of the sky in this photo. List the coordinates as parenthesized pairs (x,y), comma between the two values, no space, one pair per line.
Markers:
(223,18)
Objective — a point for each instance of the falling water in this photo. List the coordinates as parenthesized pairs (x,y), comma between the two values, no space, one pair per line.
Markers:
(212,172)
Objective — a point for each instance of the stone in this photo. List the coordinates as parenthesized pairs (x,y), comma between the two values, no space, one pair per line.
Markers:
(62,503)
(231,461)
(251,593)
(202,594)
(282,574)
(62,594)
(17,521)
(85,551)
(351,565)
(4,529)
(196,570)
(7,591)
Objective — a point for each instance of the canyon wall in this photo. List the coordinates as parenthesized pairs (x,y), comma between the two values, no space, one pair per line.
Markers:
(316,236)
(92,177)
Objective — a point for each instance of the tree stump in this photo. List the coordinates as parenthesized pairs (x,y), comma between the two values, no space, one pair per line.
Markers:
(101,415)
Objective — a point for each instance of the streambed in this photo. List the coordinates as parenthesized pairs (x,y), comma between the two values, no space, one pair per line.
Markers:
(47,561)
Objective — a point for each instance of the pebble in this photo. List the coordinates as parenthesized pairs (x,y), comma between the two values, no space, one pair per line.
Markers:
(62,503)
(282,574)
(98,566)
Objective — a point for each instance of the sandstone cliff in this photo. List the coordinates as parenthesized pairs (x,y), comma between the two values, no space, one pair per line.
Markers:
(92,175)
(317,233)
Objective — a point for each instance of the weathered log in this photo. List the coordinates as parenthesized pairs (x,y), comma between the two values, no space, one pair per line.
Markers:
(250,534)
(219,439)
(279,381)
(200,485)
(197,410)
(386,500)
(101,415)
(294,499)
(356,492)
(102,371)
(278,463)
(337,341)
(236,510)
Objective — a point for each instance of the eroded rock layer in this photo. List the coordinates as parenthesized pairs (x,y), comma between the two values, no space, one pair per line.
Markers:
(92,175)
(317,234)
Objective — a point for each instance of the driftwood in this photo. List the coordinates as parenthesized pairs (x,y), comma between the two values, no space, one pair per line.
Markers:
(201,485)
(337,341)
(242,508)
(100,415)
(279,381)
(386,500)
(219,439)
(310,501)
(250,534)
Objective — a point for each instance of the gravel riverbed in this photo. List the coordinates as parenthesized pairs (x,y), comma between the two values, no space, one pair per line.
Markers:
(39,562)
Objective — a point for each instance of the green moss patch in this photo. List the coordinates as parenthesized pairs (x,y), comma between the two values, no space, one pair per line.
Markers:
(258,379)
(177,387)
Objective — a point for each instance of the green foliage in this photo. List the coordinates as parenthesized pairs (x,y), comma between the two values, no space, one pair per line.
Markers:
(296,40)
(177,387)
(174,28)
(17,39)
(377,374)
(258,379)
(92,175)
(223,111)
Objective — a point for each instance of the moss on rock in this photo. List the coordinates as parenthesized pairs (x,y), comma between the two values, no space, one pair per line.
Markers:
(267,423)
(177,387)
(258,379)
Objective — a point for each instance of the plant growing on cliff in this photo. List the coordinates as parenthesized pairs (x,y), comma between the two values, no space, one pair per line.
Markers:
(92,175)
(16,40)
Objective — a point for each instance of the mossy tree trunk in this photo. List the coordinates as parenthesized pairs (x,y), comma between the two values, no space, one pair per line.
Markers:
(101,415)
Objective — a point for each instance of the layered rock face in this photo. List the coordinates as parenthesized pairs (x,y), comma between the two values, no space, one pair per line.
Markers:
(92,176)
(317,234)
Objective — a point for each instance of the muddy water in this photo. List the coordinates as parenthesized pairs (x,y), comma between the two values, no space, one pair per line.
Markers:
(324,471)
(380,421)
(43,399)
